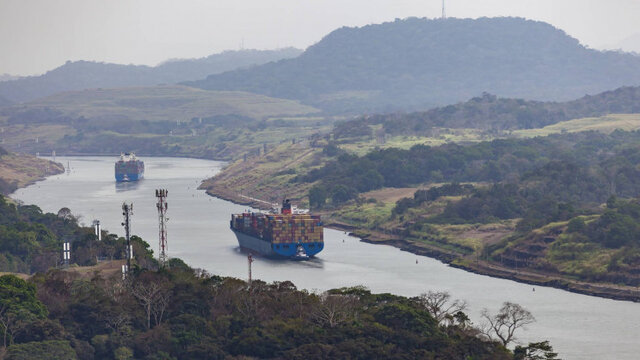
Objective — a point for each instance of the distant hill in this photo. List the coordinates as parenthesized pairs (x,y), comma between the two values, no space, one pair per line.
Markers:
(7,77)
(630,43)
(163,120)
(81,75)
(489,112)
(154,103)
(416,64)
(5,102)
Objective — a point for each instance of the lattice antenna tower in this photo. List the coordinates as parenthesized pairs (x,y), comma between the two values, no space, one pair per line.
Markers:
(444,13)
(250,261)
(163,246)
(127,212)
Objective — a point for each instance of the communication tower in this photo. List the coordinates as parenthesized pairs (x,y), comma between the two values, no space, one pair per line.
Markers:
(444,13)
(250,260)
(162,206)
(127,212)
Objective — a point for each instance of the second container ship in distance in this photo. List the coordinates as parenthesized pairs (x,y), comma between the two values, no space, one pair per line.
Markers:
(286,235)
(129,168)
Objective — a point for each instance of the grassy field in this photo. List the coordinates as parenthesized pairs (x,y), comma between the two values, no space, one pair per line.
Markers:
(267,177)
(606,124)
(171,102)
(364,145)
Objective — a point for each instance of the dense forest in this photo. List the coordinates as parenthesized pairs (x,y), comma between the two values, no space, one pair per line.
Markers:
(79,75)
(181,313)
(582,168)
(415,64)
(177,312)
(490,113)
(31,241)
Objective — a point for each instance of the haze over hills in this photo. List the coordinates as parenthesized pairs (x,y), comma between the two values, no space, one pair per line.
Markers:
(5,102)
(8,77)
(154,103)
(630,43)
(81,75)
(416,64)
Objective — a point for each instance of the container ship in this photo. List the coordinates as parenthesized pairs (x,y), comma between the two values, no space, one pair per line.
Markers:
(129,168)
(285,234)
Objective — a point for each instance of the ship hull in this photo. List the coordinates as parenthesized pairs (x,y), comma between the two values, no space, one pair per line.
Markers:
(278,251)
(129,177)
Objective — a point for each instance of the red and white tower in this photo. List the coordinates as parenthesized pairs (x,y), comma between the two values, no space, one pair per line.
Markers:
(162,206)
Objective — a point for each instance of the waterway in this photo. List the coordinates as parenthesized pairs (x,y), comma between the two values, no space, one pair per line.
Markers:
(578,326)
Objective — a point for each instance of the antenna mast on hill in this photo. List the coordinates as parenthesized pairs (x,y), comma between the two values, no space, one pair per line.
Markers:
(127,211)
(162,206)
(250,260)
(444,14)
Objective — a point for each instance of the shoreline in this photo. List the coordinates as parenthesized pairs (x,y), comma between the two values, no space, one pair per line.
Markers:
(45,168)
(480,267)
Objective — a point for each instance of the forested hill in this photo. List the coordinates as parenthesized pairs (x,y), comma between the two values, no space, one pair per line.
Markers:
(81,75)
(488,112)
(416,64)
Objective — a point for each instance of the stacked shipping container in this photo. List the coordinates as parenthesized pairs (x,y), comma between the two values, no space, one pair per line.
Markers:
(280,228)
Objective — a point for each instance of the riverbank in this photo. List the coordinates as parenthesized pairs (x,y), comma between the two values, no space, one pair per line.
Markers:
(21,170)
(483,267)
(467,262)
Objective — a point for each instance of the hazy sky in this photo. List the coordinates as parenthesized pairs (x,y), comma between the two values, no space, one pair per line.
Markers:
(38,35)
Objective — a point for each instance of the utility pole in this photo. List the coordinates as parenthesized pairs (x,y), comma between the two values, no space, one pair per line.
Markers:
(127,211)
(162,206)
(250,260)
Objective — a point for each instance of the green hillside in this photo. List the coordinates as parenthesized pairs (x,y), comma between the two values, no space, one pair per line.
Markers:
(415,64)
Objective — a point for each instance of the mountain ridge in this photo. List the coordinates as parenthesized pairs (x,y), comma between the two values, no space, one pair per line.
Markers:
(415,64)
(80,75)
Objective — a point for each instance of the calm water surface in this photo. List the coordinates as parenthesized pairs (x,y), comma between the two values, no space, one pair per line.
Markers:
(578,326)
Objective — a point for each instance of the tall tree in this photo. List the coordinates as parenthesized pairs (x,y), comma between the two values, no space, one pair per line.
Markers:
(506,322)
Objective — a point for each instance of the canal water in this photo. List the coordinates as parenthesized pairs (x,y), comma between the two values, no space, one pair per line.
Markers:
(578,326)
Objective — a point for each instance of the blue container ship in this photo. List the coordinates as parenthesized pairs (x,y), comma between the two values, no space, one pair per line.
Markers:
(129,168)
(286,234)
